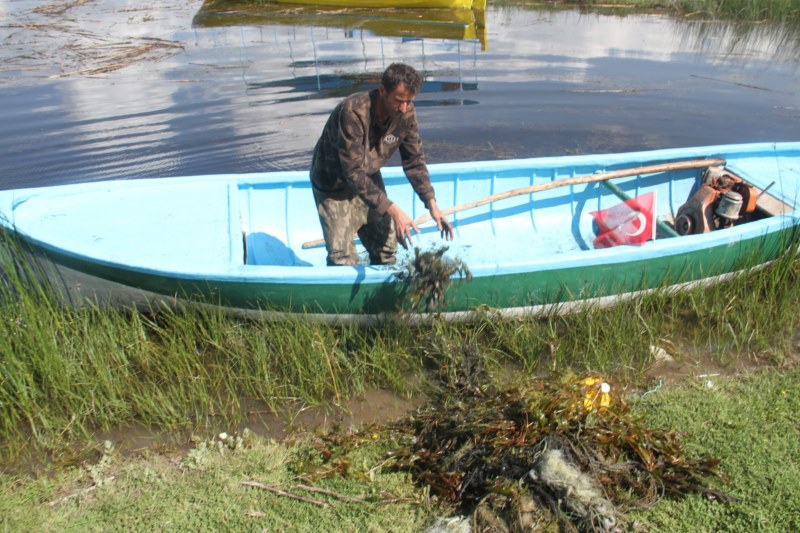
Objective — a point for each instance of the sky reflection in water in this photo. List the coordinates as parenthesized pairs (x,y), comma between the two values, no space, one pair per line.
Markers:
(253,95)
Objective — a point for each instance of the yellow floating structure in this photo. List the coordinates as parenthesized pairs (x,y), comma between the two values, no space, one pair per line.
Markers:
(432,21)
(392,4)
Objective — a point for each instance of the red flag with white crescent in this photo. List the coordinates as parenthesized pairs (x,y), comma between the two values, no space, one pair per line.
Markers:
(631,222)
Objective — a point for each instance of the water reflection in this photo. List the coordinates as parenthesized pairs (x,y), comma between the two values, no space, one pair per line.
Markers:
(339,86)
(773,41)
(463,24)
(321,65)
(411,25)
(252,94)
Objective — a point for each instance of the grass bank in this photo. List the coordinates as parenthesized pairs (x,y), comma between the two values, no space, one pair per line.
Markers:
(751,423)
(743,10)
(67,372)
(747,421)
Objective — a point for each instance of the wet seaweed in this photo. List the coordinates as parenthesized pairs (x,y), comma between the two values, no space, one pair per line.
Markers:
(558,454)
(428,276)
(568,447)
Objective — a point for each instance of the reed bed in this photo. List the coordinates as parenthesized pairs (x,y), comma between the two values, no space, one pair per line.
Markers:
(744,10)
(66,372)
(751,10)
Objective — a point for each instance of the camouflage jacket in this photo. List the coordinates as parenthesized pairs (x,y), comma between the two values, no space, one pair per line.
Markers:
(353,148)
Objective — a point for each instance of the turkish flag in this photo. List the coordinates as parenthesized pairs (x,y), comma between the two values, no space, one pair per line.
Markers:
(631,222)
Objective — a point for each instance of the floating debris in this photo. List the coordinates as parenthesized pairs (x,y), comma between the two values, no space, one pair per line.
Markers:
(56,42)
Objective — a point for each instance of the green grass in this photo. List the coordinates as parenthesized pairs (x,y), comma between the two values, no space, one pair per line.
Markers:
(748,421)
(203,491)
(743,10)
(751,422)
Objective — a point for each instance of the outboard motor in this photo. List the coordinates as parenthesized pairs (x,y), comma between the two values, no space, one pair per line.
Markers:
(721,202)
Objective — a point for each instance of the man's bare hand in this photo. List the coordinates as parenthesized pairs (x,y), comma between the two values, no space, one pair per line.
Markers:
(445,229)
(403,224)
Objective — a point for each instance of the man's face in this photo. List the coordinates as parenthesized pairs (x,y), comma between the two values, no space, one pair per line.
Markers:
(397,101)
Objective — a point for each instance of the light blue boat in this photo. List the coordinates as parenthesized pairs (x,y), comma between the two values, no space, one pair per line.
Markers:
(237,240)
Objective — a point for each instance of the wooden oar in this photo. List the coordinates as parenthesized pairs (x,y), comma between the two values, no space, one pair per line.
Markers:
(591,178)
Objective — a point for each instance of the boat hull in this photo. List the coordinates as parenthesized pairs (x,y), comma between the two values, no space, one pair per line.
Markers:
(255,271)
(535,292)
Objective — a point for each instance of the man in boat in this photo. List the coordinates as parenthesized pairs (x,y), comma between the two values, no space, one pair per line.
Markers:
(362,133)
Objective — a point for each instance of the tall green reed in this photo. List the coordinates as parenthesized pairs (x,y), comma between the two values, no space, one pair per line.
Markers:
(746,10)
(751,315)
(743,10)
(66,371)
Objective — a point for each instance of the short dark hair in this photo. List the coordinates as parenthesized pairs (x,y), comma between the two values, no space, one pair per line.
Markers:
(398,73)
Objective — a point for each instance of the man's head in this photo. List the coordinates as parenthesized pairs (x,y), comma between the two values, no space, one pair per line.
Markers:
(399,85)
(398,73)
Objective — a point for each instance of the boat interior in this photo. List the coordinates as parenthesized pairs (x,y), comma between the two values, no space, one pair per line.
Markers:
(278,221)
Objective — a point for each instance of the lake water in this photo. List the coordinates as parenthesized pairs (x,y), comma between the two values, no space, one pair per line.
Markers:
(121,90)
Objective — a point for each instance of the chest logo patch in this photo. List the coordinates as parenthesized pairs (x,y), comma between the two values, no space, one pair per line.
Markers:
(390,139)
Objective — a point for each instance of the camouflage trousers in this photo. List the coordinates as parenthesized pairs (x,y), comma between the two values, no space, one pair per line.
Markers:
(342,219)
